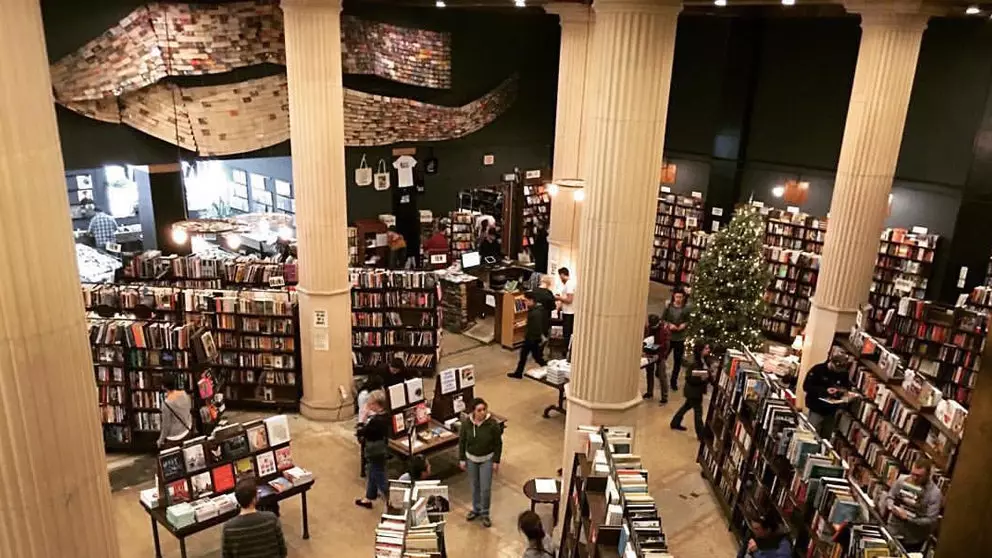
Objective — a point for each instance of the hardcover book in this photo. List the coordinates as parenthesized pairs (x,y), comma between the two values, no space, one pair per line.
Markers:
(258,437)
(266,464)
(284,458)
(236,447)
(244,467)
(171,463)
(201,485)
(223,477)
(278,430)
(195,457)
(178,492)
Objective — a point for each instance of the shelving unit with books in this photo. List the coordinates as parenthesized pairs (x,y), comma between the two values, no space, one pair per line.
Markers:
(353,247)
(794,274)
(537,206)
(794,230)
(943,343)
(461,234)
(395,314)
(257,344)
(677,217)
(693,250)
(208,272)
(788,470)
(902,269)
(608,509)
(413,524)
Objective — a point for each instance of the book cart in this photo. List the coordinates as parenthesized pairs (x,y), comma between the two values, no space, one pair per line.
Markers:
(608,510)
(395,314)
(413,523)
(762,456)
(196,481)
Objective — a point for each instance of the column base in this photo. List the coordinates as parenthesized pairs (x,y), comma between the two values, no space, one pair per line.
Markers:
(328,377)
(823,325)
(327,411)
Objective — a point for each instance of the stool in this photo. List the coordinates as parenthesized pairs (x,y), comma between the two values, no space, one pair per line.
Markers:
(535,497)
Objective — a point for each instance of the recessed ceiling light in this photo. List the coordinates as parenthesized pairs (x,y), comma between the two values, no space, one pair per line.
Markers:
(520,3)
(973,10)
(440,3)
(788,2)
(778,191)
(720,2)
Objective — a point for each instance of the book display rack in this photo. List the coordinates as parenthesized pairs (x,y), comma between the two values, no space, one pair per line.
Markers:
(980,299)
(536,207)
(353,247)
(677,217)
(608,509)
(903,268)
(413,525)
(693,250)
(395,314)
(461,234)
(942,343)
(762,456)
(196,481)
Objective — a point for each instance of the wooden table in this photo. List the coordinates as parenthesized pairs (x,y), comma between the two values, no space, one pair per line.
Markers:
(560,406)
(433,446)
(535,497)
(157,516)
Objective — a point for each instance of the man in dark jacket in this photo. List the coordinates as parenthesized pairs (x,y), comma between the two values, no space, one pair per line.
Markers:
(697,376)
(827,381)
(537,328)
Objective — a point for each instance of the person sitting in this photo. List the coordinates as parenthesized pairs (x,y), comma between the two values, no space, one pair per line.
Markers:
(418,469)
(826,382)
(767,540)
(539,545)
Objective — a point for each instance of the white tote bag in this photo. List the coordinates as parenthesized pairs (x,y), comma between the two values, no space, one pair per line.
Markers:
(381,176)
(363,174)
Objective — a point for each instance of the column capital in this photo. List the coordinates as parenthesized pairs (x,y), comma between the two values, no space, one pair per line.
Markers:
(637,6)
(895,12)
(311,4)
(570,12)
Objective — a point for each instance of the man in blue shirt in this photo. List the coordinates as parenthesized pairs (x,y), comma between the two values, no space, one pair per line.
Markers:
(102,226)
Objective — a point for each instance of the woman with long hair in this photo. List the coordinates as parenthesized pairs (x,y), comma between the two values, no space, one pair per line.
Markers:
(480,447)
(539,545)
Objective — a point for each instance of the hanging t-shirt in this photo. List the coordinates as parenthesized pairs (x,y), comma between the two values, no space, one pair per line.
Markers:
(404,170)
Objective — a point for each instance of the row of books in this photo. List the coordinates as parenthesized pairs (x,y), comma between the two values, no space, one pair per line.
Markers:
(393,337)
(127,297)
(678,217)
(391,320)
(228,268)
(366,360)
(792,245)
(383,279)
(139,334)
(412,300)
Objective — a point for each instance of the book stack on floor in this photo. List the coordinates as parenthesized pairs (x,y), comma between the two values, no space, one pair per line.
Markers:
(676,219)
(454,299)
(787,469)
(903,269)
(413,525)
(395,314)
(608,509)
(196,481)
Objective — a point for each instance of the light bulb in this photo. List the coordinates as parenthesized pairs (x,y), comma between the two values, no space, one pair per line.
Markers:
(233,241)
(778,191)
(179,235)
(973,10)
(552,189)
(788,2)
(520,3)
(720,3)
(579,195)
(440,3)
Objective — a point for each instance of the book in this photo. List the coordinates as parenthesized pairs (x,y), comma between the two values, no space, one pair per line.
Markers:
(194,455)
(258,437)
(397,396)
(264,491)
(414,390)
(284,458)
(244,467)
(178,492)
(422,414)
(223,477)
(172,464)
(266,464)
(278,429)
(236,447)
(467,377)
(280,484)
(399,423)
(201,485)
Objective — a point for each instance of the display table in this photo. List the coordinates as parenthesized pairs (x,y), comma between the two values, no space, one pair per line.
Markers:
(157,516)
(560,406)
(447,440)
(535,497)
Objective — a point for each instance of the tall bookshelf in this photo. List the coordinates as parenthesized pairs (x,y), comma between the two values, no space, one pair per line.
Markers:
(795,231)
(461,235)
(902,269)
(677,217)
(395,314)
(537,206)
(692,252)
(207,272)
(353,247)
(794,274)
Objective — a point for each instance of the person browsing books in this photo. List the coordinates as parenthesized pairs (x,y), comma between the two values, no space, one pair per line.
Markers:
(655,329)
(103,227)
(372,384)
(913,506)
(676,318)
(534,337)
(177,417)
(395,373)
(418,469)
(539,545)
(767,540)
(825,386)
(567,300)
(480,447)
(375,432)
(698,373)
(253,533)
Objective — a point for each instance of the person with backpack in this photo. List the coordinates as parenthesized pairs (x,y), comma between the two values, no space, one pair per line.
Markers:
(177,416)
(539,545)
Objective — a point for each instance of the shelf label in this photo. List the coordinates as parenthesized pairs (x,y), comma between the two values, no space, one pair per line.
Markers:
(717,212)
(715,226)
(509,177)
(533,174)
(919,230)
(792,209)
(113,247)
(488,160)
(320,318)
(491,301)
(277,281)
(439,258)
(697,195)
(666,190)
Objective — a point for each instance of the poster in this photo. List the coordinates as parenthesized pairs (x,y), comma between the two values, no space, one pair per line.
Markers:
(449,381)
(320,319)
(320,340)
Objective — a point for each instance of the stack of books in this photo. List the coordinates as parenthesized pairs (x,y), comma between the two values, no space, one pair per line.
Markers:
(559,371)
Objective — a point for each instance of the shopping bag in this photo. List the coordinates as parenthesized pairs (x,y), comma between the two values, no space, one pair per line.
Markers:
(363,174)
(381,176)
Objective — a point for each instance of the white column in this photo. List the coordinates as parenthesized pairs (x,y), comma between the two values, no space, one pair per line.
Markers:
(54,489)
(316,115)
(571,131)
(891,32)
(629,77)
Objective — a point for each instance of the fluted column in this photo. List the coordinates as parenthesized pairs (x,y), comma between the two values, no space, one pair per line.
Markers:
(629,77)
(891,32)
(571,131)
(316,115)
(54,491)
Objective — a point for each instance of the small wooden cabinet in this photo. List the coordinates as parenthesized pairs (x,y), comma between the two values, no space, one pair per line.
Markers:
(512,317)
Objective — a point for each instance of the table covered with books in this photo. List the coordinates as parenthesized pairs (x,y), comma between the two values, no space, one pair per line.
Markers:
(196,481)
(558,373)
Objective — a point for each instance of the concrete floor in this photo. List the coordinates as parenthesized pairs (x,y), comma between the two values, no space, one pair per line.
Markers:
(692,520)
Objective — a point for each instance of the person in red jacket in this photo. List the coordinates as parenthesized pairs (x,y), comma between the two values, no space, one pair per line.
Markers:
(437,243)
(656,328)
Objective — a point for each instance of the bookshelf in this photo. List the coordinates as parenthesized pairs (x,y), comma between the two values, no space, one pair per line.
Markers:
(676,218)
(208,272)
(942,343)
(513,320)
(762,456)
(395,314)
(607,510)
(461,234)
(353,247)
(794,274)
(536,206)
(902,269)
(413,523)
(794,230)
(693,250)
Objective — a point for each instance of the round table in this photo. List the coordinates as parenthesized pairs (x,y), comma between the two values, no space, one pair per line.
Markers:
(535,497)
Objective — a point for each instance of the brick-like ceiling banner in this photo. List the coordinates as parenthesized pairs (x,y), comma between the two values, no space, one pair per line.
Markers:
(160,40)
(251,115)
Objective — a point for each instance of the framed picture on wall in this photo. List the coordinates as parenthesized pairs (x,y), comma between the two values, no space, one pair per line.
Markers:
(257,181)
(84,182)
(668,173)
(284,188)
(239,176)
(84,195)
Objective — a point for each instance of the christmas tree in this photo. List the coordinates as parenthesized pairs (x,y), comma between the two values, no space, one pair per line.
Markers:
(728,284)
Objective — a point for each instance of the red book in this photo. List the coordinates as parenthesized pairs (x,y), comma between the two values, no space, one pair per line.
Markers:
(223,477)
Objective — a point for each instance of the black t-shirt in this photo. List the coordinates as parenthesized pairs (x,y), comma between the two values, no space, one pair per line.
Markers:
(489,248)
(818,380)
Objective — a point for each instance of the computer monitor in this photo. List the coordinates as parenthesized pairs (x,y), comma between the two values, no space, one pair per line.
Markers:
(470,260)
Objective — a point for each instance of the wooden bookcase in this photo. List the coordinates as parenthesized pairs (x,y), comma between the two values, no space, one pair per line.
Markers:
(794,274)
(513,320)
(461,234)
(536,207)
(677,217)
(693,250)
(902,269)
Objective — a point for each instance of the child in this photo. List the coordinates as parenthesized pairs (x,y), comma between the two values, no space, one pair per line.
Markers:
(656,328)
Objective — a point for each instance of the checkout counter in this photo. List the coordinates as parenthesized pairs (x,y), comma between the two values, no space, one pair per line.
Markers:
(484,296)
